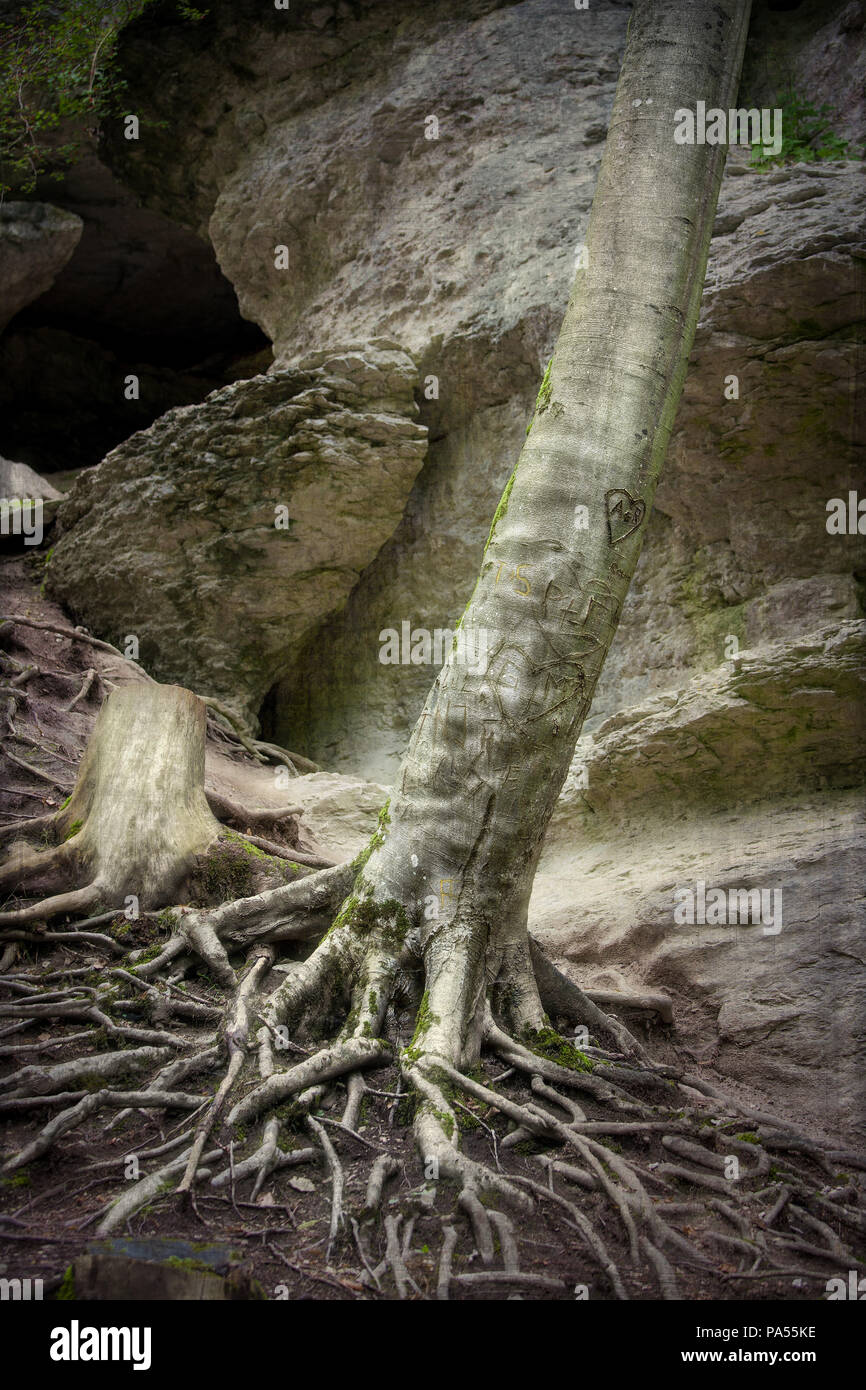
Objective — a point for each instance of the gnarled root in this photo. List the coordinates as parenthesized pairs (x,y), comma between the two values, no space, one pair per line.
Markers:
(621,1151)
(137,827)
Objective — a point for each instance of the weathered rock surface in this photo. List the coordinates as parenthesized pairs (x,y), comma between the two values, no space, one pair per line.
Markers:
(17,480)
(178,538)
(36,241)
(737,545)
(740,774)
(340,812)
(463,245)
(749,778)
(784,1012)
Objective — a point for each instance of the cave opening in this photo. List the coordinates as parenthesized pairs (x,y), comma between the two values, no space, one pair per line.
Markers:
(139,320)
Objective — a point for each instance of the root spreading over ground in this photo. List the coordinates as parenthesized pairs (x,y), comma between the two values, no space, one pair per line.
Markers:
(235,1053)
(204,1033)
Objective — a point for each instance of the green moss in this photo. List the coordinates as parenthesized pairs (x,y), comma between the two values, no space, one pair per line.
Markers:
(542,400)
(43,589)
(365,915)
(226,873)
(446,1121)
(376,840)
(19,1180)
(467,1120)
(424,1020)
(73,830)
(711,620)
(608,1143)
(291,1116)
(546,1042)
(497,517)
(66,1292)
(252,850)
(807,134)
(748,1137)
(405,1115)
(149,953)
(197,1266)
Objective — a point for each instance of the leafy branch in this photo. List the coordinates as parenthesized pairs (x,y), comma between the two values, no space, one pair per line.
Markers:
(57,70)
(807,134)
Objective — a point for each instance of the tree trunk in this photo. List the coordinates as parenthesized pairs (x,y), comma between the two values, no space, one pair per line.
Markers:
(439,898)
(451,869)
(491,750)
(137,821)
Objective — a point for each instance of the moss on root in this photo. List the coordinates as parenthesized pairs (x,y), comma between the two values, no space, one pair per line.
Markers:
(376,840)
(194,1266)
(365,914)
(424,1020)
(546,1042)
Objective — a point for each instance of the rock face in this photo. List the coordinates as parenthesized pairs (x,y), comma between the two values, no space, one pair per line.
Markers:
(343,810)
(431,179)
(464,246)
(225,533)
(748,778)
(737,545)
(36,241)
(429,173)
(17,480)
(27,503)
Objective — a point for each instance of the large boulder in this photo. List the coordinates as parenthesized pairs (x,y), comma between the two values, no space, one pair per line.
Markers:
(223,535)
(36,241)
(737,545)
(27,503)
(748,778)
(430,175)
(19,480)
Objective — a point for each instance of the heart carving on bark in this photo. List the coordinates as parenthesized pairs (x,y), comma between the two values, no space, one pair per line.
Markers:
(624,513)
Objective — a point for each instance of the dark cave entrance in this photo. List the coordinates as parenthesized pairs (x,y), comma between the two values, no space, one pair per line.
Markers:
(139,320)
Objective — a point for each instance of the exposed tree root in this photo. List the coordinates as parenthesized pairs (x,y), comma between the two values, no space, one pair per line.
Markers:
(651,1173)
(601,1200)
(137,831)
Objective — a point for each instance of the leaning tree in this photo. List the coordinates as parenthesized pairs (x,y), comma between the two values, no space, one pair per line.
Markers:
(432,917)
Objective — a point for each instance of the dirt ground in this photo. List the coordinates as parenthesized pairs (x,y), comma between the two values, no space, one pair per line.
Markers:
(276,1247)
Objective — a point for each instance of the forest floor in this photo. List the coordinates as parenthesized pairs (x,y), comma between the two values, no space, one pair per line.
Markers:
(50,1208)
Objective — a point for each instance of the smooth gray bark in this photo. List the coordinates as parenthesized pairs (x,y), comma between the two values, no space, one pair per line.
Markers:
(491,750)
(137,819)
